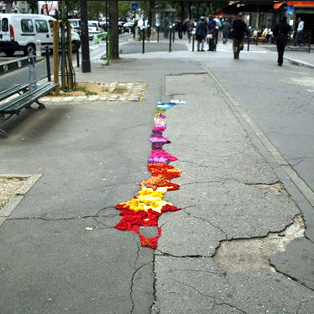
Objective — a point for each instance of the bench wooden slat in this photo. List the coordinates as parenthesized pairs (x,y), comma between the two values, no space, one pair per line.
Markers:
(15,100)
(27,98)
(16,88)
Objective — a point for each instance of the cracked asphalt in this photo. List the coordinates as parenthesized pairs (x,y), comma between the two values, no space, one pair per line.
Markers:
(242,242)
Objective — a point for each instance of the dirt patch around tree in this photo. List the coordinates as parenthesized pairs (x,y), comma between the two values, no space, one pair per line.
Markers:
(112,90)
(9,187)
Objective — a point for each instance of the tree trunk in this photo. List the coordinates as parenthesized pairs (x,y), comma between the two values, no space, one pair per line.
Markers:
(114,29)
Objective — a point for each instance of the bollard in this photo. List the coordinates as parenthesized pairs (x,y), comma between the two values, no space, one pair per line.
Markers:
(32,75)
(38,48)
(193,42)
(48,64)
(78,57)
(143,40)
(170,39)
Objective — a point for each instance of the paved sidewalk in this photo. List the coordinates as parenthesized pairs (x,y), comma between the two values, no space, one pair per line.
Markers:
(59,250)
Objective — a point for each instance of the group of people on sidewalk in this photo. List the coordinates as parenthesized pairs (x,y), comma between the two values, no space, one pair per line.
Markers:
(207,29)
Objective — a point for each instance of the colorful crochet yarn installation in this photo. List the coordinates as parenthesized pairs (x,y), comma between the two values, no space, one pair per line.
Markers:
(144,209)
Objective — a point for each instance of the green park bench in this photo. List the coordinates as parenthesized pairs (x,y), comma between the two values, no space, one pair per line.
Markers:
(24,100)
(16,88)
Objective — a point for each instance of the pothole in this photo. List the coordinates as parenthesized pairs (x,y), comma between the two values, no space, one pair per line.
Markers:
(274,188)
(253,254)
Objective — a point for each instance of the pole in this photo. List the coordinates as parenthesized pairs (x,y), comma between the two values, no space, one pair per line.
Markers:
(108,35)
(56,54)
(78,57)
(143,40)
(170,39)
(70,57)
(193,42)
(84,38)
(48,64)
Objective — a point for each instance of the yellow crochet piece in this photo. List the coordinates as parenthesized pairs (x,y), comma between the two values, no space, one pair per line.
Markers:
(148,199)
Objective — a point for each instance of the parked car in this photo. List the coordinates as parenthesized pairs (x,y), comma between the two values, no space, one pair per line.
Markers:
(21,32)
(120,25)
(104,25)
(76,25)
(93,28)
(128,26)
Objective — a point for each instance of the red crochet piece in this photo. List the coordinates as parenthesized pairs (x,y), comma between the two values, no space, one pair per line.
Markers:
(133,220)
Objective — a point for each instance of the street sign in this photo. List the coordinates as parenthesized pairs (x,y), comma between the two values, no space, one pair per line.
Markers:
(134,6)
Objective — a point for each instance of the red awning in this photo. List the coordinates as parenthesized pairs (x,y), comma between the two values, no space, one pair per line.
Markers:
(295,4)
(301,3)
(278,5)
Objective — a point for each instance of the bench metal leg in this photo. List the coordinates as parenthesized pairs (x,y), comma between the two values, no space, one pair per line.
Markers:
(40,105)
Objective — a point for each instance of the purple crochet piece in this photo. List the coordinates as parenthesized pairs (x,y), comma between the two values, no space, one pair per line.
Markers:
(161,156)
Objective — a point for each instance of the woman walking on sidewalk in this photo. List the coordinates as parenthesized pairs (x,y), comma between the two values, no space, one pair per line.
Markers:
(281,35)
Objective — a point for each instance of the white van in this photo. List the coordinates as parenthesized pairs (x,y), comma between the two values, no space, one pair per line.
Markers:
(20,32)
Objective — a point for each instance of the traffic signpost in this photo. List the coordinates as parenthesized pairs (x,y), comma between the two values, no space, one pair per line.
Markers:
(134,6)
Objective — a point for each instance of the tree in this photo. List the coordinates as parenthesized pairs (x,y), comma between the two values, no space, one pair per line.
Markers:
(95,8)
(124,8)
(113,29)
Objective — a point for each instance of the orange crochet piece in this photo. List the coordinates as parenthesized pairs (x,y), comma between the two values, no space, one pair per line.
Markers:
(159,181)
(166,170)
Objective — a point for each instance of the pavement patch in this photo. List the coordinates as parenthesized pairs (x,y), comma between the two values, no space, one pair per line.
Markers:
(243,255)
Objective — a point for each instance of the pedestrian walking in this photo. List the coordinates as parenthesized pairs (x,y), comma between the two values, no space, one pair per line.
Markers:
(239,29)
(200,33)
(190,27)
(299,33)
(179,28)
(210,37)
(225,29)
(281,32)
(218,28)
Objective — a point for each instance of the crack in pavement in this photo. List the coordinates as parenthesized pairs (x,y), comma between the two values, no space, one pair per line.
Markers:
(132,285)
(215,304)
(229,305)
(178,256)
(95,216)
(209,222)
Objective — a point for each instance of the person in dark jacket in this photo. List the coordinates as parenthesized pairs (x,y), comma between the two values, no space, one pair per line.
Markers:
(239,29)
(281,32)
(200,33)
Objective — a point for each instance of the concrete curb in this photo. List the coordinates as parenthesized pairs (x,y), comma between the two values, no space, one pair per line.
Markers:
(299,62)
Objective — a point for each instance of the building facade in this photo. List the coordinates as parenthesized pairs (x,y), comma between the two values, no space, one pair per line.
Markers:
(15,7)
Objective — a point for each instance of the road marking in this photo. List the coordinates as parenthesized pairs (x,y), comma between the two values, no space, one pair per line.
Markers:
(286,167)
